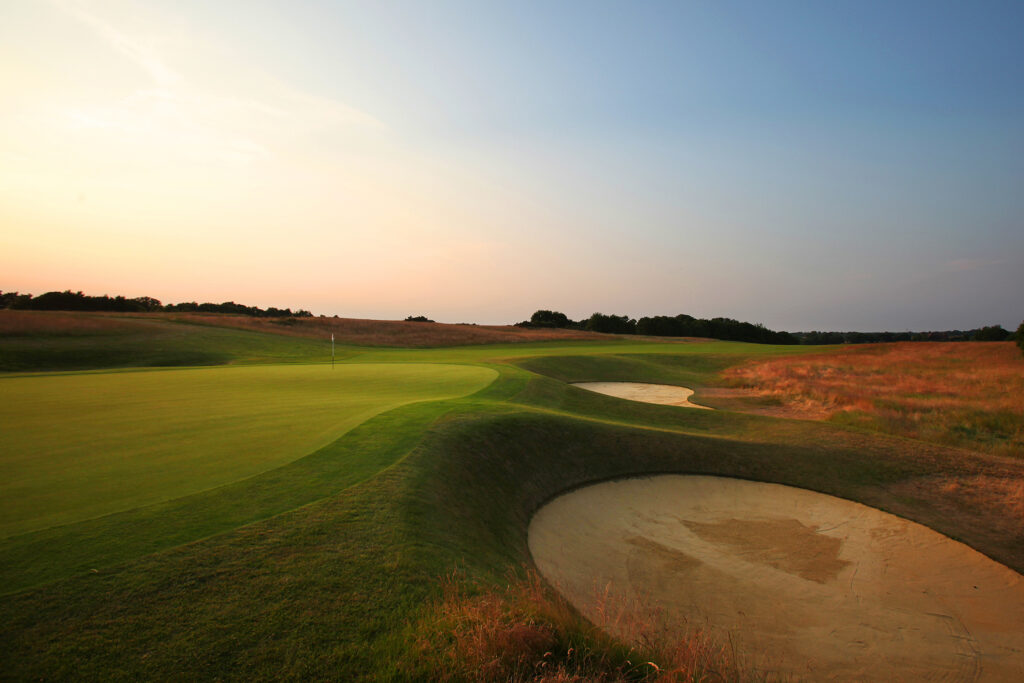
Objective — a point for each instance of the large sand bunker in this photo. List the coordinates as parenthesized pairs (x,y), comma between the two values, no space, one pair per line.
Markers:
(805,584)
(665,394)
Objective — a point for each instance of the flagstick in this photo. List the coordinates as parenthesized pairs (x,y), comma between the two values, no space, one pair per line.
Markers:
(332,350)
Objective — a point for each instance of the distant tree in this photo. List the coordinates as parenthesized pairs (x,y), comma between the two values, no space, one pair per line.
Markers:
(611,324)
(1020,337)
(545,318)
(77,301)
(148,303)
(667,326)
(990,333)
(418,319)
(15,300)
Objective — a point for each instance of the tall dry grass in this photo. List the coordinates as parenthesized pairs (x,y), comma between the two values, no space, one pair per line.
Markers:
(527,632)
(63,324)
(962,394)
(389,332)
(345,330)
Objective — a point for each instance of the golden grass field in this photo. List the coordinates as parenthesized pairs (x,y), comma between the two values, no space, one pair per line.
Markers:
(963,394)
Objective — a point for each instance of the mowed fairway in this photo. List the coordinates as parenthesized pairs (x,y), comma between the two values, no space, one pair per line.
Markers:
(77,446)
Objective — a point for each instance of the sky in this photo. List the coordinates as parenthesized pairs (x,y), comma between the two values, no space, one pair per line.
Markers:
(805,165)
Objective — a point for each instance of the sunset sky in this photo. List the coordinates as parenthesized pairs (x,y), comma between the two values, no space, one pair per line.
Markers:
(832,165)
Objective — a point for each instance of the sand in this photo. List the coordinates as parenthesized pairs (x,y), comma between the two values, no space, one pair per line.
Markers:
(665,394)
(805,584)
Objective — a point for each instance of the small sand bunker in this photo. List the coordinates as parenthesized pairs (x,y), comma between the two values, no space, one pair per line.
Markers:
(805,584)
(665,394)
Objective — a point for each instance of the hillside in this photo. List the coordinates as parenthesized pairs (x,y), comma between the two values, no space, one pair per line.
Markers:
(60,340)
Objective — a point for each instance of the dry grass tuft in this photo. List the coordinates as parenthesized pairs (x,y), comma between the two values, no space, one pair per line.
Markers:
(1005,496)
(527,632)
(960,394)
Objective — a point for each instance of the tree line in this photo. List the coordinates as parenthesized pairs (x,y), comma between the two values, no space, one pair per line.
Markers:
(683,325)
(987,333)
(77,301)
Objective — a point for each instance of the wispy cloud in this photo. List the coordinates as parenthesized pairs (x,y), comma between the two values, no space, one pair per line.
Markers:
(136,48)
(191,115)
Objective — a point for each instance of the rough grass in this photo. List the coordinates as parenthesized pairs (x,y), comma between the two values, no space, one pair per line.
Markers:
(347,331)
(64,323)
(525,631)
(390,332)
(959,394)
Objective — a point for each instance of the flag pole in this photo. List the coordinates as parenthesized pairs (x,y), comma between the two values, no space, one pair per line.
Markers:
(332,350)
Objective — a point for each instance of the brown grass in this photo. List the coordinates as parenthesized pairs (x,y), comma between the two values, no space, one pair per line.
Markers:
(999,496)
(1006,496)
(390,332)
(346,330)
(527,632)
(963,394)
(64,324)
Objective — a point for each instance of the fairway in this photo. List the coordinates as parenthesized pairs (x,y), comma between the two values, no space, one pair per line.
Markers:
(78,446)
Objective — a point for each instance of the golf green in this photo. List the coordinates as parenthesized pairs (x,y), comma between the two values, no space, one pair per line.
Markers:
(78,446)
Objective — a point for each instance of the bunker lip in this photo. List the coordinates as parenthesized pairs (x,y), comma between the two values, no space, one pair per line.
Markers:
(663,394)
(802,583)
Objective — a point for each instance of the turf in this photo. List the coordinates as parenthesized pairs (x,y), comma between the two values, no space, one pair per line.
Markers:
(83,445)
(327,564)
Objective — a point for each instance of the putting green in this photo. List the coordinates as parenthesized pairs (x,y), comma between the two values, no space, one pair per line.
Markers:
(77,446)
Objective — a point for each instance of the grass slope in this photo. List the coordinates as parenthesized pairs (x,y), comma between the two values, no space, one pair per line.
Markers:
(81,341)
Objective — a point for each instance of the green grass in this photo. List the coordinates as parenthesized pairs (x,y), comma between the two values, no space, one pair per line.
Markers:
(328,563)
(83,445)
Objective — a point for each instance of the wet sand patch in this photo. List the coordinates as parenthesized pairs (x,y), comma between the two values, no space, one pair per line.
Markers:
(785,544)
(806,584)
(663,394)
